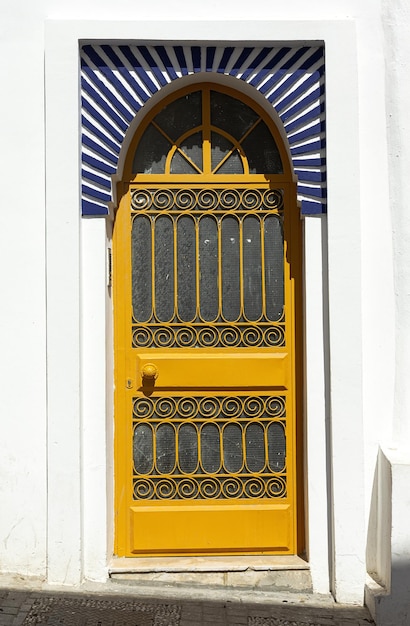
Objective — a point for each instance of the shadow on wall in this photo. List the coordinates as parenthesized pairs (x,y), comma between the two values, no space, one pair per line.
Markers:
(388,541)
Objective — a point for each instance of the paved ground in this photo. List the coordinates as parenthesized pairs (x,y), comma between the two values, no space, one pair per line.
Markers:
(148,606)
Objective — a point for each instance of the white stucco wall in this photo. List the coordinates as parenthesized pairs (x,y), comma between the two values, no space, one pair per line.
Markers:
(396,20)
(23,324)
(390,561)
(55,404)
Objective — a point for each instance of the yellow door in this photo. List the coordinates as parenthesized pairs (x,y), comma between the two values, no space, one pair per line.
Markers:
(206,249)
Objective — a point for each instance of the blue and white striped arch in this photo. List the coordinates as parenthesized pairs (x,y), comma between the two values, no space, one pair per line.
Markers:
(116,81)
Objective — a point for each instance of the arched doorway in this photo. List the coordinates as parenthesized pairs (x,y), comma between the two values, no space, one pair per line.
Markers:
(206,278)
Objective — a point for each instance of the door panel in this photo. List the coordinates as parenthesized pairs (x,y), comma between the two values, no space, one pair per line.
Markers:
(205,384)
(211,529)
(185,369)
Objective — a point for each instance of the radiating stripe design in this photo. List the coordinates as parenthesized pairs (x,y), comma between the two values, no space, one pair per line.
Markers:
(116,81)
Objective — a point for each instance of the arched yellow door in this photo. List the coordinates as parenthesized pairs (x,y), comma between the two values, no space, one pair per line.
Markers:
(206,253)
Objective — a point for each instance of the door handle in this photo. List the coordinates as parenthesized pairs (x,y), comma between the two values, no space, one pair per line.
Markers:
(149,372)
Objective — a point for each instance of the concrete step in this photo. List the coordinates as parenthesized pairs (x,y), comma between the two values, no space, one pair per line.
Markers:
(285,573)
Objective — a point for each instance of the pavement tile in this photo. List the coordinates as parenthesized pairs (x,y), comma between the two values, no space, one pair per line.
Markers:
(217,618)
(237,620)
(18,621)
(9,610)
(190,613)
(37,608)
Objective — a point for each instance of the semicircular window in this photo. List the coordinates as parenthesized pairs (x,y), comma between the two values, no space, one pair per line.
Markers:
(207,132)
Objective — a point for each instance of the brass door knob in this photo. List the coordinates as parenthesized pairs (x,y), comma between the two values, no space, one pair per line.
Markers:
(149,372)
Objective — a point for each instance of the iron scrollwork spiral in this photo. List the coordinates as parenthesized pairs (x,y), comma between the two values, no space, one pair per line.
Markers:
(207,199)
(205,336)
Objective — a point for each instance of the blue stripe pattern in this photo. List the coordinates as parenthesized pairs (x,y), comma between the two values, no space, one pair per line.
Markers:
(116,81)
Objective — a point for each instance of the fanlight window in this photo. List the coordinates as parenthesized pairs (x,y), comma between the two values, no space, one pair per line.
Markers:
(207,132)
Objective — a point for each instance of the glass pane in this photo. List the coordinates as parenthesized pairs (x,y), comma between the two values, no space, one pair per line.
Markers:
(192,147)
(262,152)
(151,153)
(208,268)
(231,115)
(179,165)
(141,268)
(274,267)
(142,448)
(164,268)
(276,447)
(186,251)
(252,270)
(210,451)
(187,448)
(231,295)
(232,446)
(220,146)
(232,165)
(165,448)
(255,448)
(180,116)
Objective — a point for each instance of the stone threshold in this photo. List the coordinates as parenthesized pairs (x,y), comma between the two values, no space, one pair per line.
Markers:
(176,564)
(273,573)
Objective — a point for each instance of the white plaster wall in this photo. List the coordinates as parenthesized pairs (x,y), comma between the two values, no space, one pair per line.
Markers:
(397,46)
(22,314)
(376,247)
(345,331)
(392,560)
(228,10)
(389,599)
(317,414)
(96,419)
(359,268)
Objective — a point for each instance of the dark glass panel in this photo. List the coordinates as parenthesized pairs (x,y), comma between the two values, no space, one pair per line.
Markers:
(180,116)
(165,448)
(208,268)
(276,447)
(179,165)
(232,447)
(274,279)
(142,448)
(220,146)
(252,270)
(255,448)
(186,251)
(231,290)
(164,268)
(232,165)
(192,147)
(187,448)
(141,268)
(231,115)
(151,153)
(262,152)
(210,450)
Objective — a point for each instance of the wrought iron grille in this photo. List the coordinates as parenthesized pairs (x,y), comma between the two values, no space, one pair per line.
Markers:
(209,447)
(207,268)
